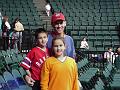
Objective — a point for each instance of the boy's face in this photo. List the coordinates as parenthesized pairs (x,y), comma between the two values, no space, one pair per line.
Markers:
(58,47)
(59,26)
(42,39)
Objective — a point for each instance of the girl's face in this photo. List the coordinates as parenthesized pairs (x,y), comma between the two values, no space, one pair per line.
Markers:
(58,47)
(42,39)
(59,26)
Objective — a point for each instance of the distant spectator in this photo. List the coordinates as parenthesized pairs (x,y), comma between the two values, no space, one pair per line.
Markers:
(109,55)
(117,59)
(48,9)
(84,44)
(18,29)
(5,32)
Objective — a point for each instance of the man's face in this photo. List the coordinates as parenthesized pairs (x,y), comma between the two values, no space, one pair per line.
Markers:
(59,26)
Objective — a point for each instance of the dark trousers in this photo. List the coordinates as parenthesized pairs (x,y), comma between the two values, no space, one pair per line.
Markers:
(5,43)
(36,85)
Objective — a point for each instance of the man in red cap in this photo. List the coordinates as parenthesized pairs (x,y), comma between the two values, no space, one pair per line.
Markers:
(58,23)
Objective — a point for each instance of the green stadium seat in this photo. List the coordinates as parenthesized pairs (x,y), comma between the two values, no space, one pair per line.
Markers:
(9,63)
(8,14)
(113,23)
(98,33)
(96,18)
(4,53)
(115,38)
(14,59)
(107,38)
(110,10)
(84,23)
(91,38)
(22,71)
(10,80)
(115,43)
(32,23)
(90,43)
(3,84)
(75,33)
(76,38)
(91,23)
(83,18)
(90,19)
(114,32)
(19,57)
(107,44)
(99,48)
(16,14)
(99,38)
(83,28)
(91,33)
(70,22)
(106,23)
(98,43)
(97,28)
(105,14)
(111,14)
(111,18)
(2,67)
(90,28)
(82,33)
(21,82)
(98,23)
(112,28)
(20,9)
(22,14)
(68,29)
(117,14)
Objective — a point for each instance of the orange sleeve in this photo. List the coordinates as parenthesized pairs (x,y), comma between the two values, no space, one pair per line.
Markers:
(75,79)
(44,77)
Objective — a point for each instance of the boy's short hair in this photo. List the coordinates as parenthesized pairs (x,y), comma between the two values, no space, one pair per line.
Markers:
(39,30)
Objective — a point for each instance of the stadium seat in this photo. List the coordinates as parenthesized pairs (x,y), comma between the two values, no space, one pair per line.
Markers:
(9,63)
(22,71)
(4,53)
(19,57)
(12,83)
(2,67)
(22,84)
(3,84)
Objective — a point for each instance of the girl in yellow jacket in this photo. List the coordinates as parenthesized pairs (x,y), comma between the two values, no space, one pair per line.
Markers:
(59,72)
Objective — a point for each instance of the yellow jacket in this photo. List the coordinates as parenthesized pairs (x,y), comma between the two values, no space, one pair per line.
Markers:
(57,75)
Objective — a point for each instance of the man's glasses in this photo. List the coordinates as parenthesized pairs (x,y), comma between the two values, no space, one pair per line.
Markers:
(58,22)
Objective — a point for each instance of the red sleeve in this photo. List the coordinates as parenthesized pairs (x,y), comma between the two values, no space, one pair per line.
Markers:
(26,63)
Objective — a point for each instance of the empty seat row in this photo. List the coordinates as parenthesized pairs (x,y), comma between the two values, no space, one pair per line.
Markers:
(13,80)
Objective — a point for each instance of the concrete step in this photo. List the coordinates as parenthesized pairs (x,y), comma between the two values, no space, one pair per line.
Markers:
(45,17)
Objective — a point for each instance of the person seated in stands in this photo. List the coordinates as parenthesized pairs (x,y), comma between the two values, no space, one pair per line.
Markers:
(117,59)
(109,55)
(84,44)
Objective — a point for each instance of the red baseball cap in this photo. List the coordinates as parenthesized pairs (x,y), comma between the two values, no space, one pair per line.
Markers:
(57,16)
